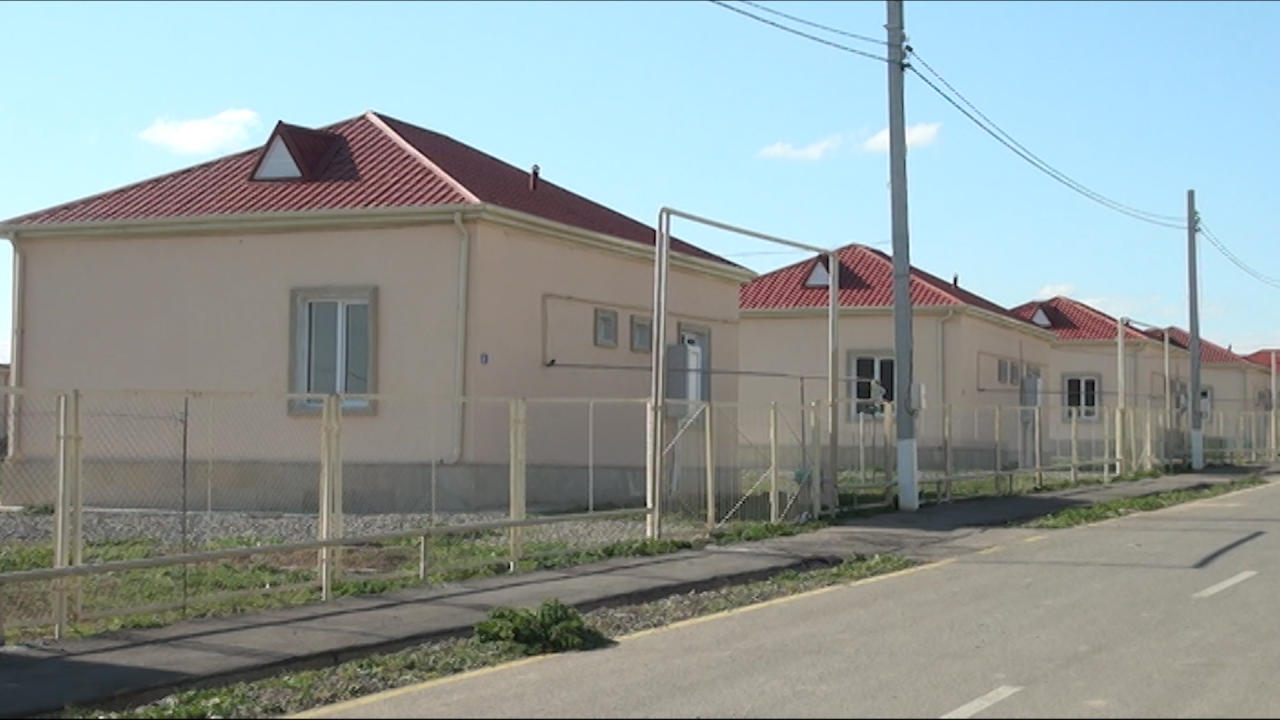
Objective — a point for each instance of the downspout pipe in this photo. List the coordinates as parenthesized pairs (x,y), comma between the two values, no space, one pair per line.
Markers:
(942,357)
(460,359)
(15,347)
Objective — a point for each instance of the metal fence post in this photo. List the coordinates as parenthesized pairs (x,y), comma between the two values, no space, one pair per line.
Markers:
(710,449)
(1253,437)
(815,474)
(1120,440)
(948,459)
(773,462)
(591,455)
(653,471)
(1039,463)
(1106,445)
(1147,463)
(1074,413)
(862,445)
(60,522)
(77,498)
(517,477)
(999,464)
(324,527)
(339,491)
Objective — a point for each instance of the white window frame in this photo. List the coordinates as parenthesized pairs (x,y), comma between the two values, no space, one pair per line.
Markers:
(300,345)
(641,321)
(851,383)
(1206,402)
(598,326)
(1088,413)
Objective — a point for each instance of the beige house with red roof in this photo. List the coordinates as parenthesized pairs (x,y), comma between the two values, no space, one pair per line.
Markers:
(1087,379)
(970,354)
(369,257)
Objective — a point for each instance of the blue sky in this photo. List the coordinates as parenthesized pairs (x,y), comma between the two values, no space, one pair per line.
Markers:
(644,104)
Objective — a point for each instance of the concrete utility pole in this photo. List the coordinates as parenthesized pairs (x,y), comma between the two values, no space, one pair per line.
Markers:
(1197,431)
(902,353)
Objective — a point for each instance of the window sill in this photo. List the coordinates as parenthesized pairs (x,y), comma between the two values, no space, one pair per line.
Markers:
(354,408)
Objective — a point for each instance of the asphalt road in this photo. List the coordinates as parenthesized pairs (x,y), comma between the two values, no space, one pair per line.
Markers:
(1165,614)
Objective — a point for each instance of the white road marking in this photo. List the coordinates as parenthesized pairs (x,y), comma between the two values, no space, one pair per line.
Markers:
(974,707)
(1215,589)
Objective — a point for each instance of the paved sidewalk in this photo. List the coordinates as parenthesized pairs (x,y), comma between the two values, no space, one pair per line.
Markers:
(145,663)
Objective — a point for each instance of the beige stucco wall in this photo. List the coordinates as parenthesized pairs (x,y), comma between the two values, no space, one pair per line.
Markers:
(533,299)
(212,313)
(955,360)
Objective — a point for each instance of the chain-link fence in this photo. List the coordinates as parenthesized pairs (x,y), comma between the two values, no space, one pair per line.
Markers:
(208,503)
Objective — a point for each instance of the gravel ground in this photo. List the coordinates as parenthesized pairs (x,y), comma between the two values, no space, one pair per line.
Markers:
(166,528)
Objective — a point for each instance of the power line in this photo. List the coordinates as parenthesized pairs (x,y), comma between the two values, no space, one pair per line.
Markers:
(970,105)
(801,33)
(1235,260)
(820,26)
(1035,161)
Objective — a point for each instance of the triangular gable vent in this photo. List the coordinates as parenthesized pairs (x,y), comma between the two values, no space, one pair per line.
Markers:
(1040,318)
(818,276)
(277,163)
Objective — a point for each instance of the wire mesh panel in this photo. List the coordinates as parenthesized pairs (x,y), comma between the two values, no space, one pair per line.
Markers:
(402,467)
(683,485)
(745,462)
(583,456)
(29,521)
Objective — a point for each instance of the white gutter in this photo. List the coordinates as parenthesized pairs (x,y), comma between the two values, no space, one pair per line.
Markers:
(942,356)
(15,345)
(460,359)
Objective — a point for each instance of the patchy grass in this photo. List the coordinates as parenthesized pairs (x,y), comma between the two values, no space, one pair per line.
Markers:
(297,691)
(273,580)
(1126,506)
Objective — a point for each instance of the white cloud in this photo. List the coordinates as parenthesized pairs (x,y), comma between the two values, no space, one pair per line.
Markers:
(812,151)
(226,130)
(918,135)
(1053,290)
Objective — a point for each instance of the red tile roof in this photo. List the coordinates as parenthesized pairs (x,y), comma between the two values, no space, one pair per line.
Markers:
(1073,320)
(866,280)
(1263,357)
(1209,352)
(370,161)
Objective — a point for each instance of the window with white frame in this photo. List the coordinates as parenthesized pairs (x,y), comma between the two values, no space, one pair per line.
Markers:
(606,328)
(1084,393)
(641,333)
(333,341)
(871,383)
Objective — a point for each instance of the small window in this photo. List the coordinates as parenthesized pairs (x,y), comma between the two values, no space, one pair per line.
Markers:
(606,328)
(333,331)
(641,334)
(1206,402)
(870,385)
(1002,371)
(1083,393)
(1015,373)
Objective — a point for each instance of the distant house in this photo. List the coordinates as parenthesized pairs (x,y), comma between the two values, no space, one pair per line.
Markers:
(970,354)
(369,257)
(1087,378)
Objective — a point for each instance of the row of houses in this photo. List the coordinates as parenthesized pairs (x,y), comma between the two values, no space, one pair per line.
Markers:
(376,258)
